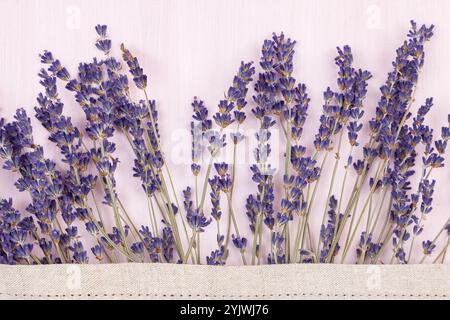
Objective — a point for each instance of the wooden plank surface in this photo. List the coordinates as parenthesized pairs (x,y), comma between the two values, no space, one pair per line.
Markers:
(193,48)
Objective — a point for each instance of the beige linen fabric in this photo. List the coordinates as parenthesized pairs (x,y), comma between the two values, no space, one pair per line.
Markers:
(166,281)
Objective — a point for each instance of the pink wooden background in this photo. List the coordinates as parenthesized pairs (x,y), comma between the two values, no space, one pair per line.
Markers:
(194,47)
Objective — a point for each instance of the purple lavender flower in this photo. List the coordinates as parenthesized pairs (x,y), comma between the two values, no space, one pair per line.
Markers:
(217,257)
(328,232)
(168,244)
(63,133)
(235,98)
(397,92)
(428,247)
(367,247)
(139,78)
(216,211)
(199,126)
(285,213)
(277,254)
(197,220)
(98,252)
(341,106)
(103,43)
(240,243)
(200,114)
(15,245)
(39,177)
(79,254)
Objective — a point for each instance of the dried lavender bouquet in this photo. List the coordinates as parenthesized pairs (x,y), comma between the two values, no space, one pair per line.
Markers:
(368,213)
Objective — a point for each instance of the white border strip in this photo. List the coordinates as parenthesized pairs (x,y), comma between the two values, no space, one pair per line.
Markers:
(168,281)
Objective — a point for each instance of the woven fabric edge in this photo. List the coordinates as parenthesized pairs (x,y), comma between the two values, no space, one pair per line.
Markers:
(166,281)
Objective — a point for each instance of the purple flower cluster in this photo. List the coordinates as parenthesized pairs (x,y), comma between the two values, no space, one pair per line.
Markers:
(50,194)
(343,107)
(395,142)
(235,98)
(15,234)
(199,126)
(328,232)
